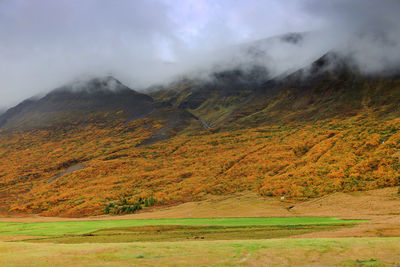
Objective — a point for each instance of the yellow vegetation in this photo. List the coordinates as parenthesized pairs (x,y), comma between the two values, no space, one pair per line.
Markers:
(295,160)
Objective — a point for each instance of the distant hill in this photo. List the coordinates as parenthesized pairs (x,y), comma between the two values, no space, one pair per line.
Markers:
(78,103)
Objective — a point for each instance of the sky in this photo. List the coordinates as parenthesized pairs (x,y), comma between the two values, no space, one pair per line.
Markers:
(45,44)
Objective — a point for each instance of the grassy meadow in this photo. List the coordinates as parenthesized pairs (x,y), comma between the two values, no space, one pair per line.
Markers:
(82,227)
(272,252)
(192,242)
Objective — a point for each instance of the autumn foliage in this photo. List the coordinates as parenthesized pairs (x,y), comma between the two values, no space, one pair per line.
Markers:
(295,160)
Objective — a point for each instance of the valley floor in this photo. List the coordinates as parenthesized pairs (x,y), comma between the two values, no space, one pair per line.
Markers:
(381,207)
(273,252)
(293,240)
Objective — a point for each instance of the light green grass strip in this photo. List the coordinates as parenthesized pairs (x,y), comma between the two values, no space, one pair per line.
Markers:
(81,227)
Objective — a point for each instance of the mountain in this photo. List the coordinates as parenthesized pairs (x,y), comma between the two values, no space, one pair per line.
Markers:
(214,100)
(99,147)
(78,103)
(98,101)
(331,86)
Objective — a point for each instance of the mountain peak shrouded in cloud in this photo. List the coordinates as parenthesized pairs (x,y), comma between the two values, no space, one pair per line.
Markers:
(78,102)
(94,85)
(45,43)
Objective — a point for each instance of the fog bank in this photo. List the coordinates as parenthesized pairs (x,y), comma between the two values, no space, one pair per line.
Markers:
(45,44)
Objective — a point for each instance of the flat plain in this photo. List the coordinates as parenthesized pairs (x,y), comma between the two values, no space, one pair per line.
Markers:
(364,232)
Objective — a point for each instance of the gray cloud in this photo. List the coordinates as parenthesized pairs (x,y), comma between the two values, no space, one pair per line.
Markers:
(366,30)
(45,44)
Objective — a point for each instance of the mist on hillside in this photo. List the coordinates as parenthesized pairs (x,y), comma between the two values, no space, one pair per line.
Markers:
(45,44)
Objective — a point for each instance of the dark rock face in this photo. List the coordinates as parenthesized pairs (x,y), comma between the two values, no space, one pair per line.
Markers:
(293,38)
(224,84)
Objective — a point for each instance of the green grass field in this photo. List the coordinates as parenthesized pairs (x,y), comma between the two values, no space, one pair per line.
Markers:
(192,242)
(164,233)
(272,252)
(82,227)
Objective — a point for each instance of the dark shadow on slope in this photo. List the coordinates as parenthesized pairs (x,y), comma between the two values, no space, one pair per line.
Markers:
(73,168)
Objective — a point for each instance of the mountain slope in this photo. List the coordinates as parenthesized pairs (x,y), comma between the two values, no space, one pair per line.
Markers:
(330,87)
(78,103)
(298,136)
(215,99)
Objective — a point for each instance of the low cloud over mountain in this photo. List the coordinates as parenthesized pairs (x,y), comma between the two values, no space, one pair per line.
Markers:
(44,44)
